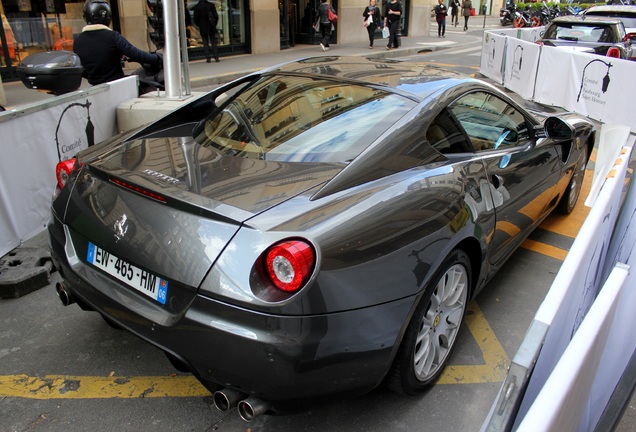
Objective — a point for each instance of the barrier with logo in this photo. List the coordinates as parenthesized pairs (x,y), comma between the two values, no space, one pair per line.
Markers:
(37,136)
(592,85)
(579,345)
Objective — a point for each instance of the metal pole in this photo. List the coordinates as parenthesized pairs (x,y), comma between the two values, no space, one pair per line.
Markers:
(171,67)
(185,65)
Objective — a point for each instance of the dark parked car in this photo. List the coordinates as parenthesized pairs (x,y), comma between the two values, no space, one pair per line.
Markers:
(314,229)
(593,34)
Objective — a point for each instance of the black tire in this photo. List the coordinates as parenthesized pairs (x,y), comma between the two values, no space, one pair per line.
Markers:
(430,337)
(571,195)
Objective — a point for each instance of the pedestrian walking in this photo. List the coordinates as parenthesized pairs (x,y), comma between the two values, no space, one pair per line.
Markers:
(392,16)
(206,18)
(467,6)
(372,18)
(326,25)
(454,7)
(440,16)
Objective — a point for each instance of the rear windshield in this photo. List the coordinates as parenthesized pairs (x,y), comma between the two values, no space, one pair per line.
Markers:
(581,33)
(628,18)
(302,119)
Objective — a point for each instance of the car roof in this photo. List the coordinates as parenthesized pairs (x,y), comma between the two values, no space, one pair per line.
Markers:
(593,19)
(612,8)
(417,79)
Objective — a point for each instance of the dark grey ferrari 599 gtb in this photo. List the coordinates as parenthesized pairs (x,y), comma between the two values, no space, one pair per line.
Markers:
(314,229)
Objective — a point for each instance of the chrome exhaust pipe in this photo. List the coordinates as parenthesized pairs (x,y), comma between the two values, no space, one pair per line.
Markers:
(251,408)
(226,399)
(64,293)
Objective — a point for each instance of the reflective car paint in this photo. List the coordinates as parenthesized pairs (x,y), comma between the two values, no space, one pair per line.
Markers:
(381,224)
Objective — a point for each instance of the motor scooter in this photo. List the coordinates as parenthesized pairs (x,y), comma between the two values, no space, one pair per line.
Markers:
(150,77)
(507,15)
(60,72)
(526,18)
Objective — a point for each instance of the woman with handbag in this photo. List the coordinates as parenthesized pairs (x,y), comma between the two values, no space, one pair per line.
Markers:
(326,24)
(372,17)
(392,16)
(467,5)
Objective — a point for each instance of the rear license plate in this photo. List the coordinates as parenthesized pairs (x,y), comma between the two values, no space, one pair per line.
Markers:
(145,282)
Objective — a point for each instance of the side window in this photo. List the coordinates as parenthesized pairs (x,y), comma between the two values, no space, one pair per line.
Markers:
(489,121)
(445,136)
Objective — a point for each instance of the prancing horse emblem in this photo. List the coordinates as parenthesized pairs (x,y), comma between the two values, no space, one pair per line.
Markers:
(121,227)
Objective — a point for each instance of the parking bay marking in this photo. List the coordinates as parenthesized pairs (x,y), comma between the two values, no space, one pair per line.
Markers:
(494,369)
(95,387)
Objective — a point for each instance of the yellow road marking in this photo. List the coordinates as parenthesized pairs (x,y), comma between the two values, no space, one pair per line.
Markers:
(496,360)
(544,249)
(94,387)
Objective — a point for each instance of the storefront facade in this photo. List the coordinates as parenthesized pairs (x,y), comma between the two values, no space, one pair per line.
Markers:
(245,26)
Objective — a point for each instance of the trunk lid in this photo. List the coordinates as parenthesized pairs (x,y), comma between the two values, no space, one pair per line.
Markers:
(169,206)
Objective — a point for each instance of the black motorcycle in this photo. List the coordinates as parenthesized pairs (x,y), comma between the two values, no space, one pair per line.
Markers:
(547,14)
(507,15)
(150,78)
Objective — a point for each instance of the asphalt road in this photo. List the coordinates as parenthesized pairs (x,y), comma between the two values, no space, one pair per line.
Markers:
(63,369)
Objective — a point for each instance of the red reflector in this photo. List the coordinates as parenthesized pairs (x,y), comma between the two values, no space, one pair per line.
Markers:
(139,190)
(289,264)
(63,171)
(614,52)
(539,43)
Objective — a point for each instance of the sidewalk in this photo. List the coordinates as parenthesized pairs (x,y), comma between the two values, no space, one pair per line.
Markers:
(204,74)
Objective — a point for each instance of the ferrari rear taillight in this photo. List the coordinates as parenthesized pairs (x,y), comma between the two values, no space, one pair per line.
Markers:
(614,52)
(63,171)
(289,264)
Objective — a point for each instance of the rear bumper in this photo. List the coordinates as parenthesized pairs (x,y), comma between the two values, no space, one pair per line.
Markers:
(284,360)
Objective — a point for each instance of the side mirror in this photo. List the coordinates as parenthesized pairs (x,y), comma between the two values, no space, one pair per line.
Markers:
(558,128)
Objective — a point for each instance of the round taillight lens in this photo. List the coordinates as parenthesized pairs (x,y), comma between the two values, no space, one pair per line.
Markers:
(614,52)
(63,171)
(289,264)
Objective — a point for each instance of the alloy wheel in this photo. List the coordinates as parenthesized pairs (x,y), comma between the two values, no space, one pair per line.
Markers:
(440,324)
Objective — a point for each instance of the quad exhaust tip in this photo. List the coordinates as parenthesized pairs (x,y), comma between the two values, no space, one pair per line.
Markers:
(226,399)
(251,408)
(64,293)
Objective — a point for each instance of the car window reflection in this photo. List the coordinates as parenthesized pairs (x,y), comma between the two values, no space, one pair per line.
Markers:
(298,119)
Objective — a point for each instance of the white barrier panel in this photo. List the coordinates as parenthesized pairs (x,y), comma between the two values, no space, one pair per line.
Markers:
(531,34)
(562,404)
(550,87)
(511,32)
(592,85)
(601,86)
(35,138)
(577,283)
(492,56)
(521,62)
(613,137)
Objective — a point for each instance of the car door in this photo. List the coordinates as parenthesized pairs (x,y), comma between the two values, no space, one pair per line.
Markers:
(522,172)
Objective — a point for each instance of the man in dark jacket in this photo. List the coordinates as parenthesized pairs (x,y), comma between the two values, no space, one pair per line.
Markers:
(206,17)
(101,49)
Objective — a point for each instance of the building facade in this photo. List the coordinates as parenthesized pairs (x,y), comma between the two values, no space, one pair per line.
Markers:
(245,26)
